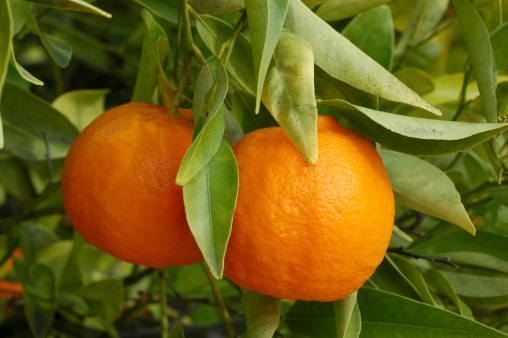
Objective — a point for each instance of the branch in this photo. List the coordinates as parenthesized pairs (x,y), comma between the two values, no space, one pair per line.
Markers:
(445,260)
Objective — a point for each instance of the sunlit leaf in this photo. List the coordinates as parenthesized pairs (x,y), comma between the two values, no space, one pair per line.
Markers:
(333,10)
(347,317)
(210,201)
(262,313)
(81,106)
(72,5)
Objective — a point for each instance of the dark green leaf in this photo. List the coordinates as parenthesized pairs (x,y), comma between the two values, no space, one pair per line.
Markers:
(499,41)
(288,93)
(243,110)
(262,313)
(416,136)
(40,295)
(266,19)
(72,5)
(15,179)
(81,106)
(347,317)
(348,64)
(210,201)
(416,79)
(389,315)
(176,332)
(105,297)
(34,238)
(372,32)
(165,9)
(333,10)
(477,41)
(420,186)
(314,319)
(26,118)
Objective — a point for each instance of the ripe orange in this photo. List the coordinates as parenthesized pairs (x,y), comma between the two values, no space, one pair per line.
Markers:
(118,186)
(309,232)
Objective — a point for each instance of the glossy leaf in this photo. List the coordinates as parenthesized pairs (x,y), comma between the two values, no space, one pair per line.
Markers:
(72,5)
(5,50)
(289,93)
(334,10)
(266,19)
(478,289)
(26,117)
(262,313)
(478,45)
(372,32)
(348,64)
(40,295)
(23,72)
(382,316)
(416,79)
(499,42)
(416,136)
(104,297)
(347,317)
(421,186)
(207,142)
(486,249)
(165,9)
(314,319)
(81,106)
(214,33)
(34,239)
(210,201)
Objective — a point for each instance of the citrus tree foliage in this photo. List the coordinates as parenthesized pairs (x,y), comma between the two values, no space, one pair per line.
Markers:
(424,80)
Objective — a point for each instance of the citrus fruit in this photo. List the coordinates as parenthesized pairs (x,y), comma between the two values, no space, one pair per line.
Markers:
(309,232)
(118,186)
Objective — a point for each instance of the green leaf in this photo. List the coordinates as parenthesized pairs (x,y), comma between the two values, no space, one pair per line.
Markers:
(436,279)
(34,238)
(314,319)
(203,84)
(105,297)
(347,317)
(372,32)
(40,295)
(266,19)
(5,49)
(499,42)
(389,315)
(500,195)
(420,186)
(218,6)
(214,33)
(486,249)
(26,118)
(81,106)
(210,201)
(15,179)
(431,15)
(176,332)
(23,72)
(19,11)
(416,79)
(477,41)
(416,136)
(334,10)
(288,93)
(165,9)
(244,104)
(72,5)
(207,142)
(479,290)
(348,64)
(262,313)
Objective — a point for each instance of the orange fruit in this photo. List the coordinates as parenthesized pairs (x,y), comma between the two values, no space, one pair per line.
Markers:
(118,186)
(310,232)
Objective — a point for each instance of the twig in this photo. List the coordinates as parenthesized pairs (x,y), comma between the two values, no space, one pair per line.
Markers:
(137,276)
(445,260)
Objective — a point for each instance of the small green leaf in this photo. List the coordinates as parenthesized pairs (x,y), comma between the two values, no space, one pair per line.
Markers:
(262,313)
(81,106)
(347,317)
(372,32)
(266,19)
(314,319)
(416,136)
(34,239)
(416,79)
(243,110)
(477,41)
(499,42)
(210,201)
(40,295)
(334,10)
(165,9)
(288,93)
(420,186)
(348,64)
(23,72)
(389,315)
(26,117)
(176,332)
(72,5)
(105,297)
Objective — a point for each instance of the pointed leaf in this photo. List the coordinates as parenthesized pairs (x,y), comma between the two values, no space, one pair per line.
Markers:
(262,313)
(23,72)
(40,295)
(416,136)
(26,117)
(266,19)
(347,317)
(372,32)
(72,5)
(334,10)
(382,316)
(210,201)
(348,64)
(477,41)
(420,186)
(81,106)
(288,93)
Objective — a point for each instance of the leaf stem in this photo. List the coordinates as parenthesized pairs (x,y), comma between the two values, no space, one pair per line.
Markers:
(401,251)
(220,301)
